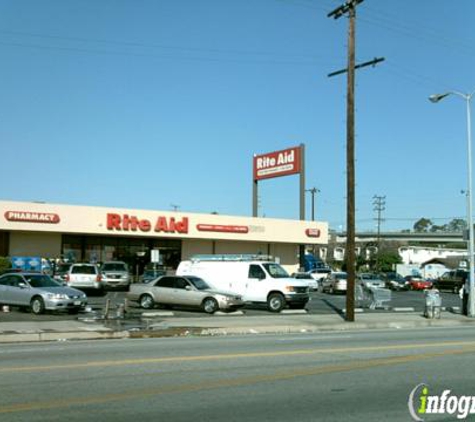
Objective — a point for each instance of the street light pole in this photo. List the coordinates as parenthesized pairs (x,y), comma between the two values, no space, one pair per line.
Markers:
(471,249)
(313,191)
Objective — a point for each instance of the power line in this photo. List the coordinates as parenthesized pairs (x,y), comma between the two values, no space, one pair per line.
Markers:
(414,77)
(157,56)
(416,30)
(306,5)
(310,59)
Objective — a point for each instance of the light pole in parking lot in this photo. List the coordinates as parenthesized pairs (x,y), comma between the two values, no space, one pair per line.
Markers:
(313,191)
(467,97)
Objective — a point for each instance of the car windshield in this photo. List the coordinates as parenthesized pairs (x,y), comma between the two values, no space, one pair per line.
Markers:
(83,269)
(322,271)
(369,277)
(276,271)
(395,277)
(62,268)
(114,266)
(340,276)
(39,281)
(198,283)
(153,272)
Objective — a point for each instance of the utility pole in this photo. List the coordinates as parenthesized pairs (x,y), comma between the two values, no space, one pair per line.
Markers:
(313,191)
(379,205)
(350,8)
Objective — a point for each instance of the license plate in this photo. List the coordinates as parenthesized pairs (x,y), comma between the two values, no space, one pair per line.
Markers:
(77,302)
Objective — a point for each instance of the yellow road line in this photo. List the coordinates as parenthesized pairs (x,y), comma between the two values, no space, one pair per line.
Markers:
(298,352)
(226,383)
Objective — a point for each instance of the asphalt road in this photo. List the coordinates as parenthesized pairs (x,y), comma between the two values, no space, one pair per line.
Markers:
(320,303)
(361,376)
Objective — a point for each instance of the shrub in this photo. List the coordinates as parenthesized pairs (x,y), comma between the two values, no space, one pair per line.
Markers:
(5,263)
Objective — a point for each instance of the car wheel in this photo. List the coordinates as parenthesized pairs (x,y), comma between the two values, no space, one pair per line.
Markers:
(209,305)
(37,305)
(331,290)
(146,302)
(275,302)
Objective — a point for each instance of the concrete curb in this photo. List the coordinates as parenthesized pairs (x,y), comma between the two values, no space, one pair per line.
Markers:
(61,336)
(221,325)
(338,327)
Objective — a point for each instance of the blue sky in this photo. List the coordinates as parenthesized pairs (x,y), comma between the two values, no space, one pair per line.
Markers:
(149,103)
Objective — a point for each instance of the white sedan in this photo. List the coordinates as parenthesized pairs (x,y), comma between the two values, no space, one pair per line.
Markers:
(313,284)
(336,282)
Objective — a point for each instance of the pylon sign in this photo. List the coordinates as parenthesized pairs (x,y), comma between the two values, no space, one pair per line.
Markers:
(281,163)
(277,163)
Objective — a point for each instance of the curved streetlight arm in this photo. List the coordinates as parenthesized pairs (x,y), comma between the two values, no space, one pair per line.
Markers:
(435,98)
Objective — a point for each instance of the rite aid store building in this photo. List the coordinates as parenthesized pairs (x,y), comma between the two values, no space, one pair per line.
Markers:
(98,234)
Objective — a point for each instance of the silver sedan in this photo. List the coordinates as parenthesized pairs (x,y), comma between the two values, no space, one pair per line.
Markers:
(186,291)
(39,292)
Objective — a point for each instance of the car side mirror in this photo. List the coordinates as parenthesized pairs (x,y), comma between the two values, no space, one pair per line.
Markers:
(22,285)
(188,288)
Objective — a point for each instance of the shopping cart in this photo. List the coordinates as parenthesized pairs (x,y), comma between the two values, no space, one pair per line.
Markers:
(433,303)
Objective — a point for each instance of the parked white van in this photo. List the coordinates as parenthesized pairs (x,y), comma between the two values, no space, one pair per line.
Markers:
(255,277)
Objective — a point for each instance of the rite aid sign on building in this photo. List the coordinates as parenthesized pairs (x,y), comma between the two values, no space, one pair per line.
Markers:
(278,163)
(24,220)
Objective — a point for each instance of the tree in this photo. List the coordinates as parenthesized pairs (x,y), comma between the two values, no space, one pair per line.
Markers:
(422,225)
(438,229)
(425,225)
(387,260)
(360,263)
(457,225)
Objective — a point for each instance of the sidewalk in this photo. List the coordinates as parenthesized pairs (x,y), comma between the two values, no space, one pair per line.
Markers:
(157,325)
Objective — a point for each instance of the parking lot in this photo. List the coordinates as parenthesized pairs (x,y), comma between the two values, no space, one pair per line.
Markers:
(320,303)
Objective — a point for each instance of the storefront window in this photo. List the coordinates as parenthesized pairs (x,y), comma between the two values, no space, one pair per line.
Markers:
(71,252)
(93,254)
(108,253)
(136,252)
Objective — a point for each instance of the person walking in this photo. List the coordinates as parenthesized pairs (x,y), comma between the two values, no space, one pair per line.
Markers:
(463,293)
